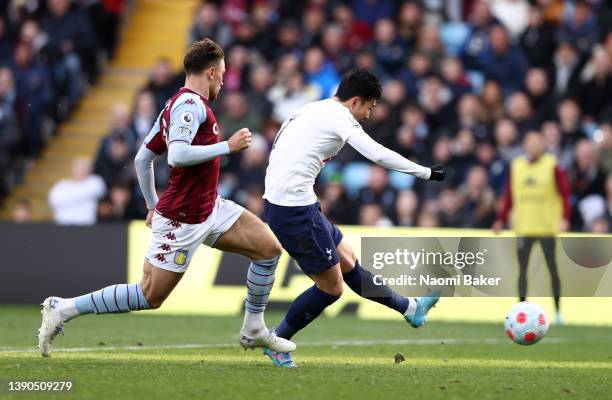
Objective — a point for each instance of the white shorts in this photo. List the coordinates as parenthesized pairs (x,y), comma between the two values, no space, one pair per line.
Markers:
(174,243)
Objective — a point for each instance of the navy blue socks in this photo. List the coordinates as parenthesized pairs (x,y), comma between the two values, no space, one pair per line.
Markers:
(304,309)
(361,282)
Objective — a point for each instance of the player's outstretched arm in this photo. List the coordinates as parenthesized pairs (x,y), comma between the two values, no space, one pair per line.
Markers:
(183,154)
(389,159)
(143,162)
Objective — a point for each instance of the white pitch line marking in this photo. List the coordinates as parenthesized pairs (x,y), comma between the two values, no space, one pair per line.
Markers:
(418,342)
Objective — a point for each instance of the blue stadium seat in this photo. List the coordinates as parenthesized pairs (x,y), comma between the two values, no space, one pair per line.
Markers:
(401,181)
(453,35)
(355,176)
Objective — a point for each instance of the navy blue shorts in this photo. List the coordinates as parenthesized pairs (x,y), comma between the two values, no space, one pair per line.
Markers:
(306,234)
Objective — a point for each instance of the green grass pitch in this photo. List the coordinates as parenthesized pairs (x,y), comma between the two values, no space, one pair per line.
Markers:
(169,357)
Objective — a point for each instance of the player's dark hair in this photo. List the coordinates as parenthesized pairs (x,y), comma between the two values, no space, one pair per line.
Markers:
(361,83)
(201,55)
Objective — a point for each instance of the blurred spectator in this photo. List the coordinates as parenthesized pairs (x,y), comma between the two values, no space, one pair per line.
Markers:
(32,34)
(492,102)
(387,47)
(469,115)
(366,60)
(106,18)
(114,161)
(452,214)
(406,208)
(236,73)
(208,25)
(568,112)
(237,115)
(595,88)
(410,20)
(419,67)
(287,40)
(6,45)
(145,113)
(74,200)
(163,83)
(312,23)
(478,198)
(319,72)
(587,183)
(118,205)
(22,212)
(253,165)
(551,133)
(477,42)
(286,98)
(538,40)
(601,225)
(435,99)
(357,33)
(379,191)
(464,147)
(497,169)
(428,219)
(454,76)
(520,111)
(121,126)
(503,62)
(605,148)
(430,44)
(507,140)
(567,67)
(370,11)
(333,39)
(51,47)
(581,28)
(71,45)
(260,81)
(34,96)
(335,203)
(371,214)
(609,201)
(540,94)
(9,130)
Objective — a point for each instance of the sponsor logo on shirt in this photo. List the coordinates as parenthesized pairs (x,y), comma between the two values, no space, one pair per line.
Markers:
(215,128)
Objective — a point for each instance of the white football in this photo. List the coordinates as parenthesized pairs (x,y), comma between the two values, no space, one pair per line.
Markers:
(526,323)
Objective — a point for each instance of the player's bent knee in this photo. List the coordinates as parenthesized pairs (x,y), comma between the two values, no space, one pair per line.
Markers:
(335,289)
(153,301)
(272,250)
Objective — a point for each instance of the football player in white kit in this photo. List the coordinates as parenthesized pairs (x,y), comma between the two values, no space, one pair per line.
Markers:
(305,142)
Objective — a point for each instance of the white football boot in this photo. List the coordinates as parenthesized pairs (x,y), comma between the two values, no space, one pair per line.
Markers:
(267,339)
(52,324)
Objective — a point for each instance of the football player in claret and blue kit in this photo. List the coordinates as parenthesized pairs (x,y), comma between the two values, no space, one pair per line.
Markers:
(188,214)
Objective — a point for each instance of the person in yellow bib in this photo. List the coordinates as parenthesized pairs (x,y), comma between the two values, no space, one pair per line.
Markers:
(538,194)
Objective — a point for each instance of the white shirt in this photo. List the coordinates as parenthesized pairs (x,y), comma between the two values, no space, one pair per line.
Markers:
(76,202)
(512,13)
(312,136)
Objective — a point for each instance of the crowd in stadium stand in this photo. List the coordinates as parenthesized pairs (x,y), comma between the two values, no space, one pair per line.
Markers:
(50,51)
(463,82)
